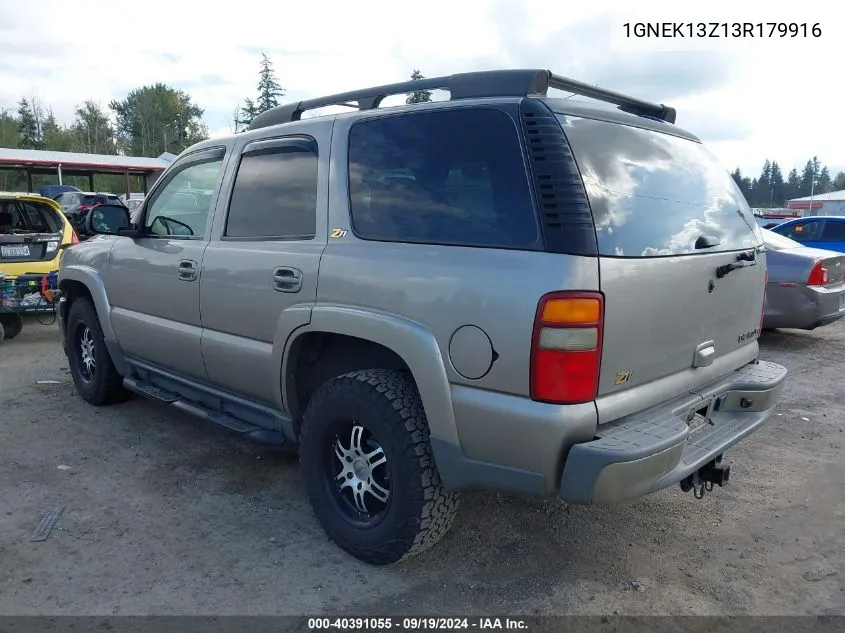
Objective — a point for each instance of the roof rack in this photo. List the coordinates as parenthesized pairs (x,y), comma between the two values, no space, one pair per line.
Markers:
(488,83)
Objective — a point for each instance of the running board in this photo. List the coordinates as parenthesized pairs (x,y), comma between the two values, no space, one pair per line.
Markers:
(253,432)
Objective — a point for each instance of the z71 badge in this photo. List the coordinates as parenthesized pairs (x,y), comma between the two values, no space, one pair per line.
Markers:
(622,377)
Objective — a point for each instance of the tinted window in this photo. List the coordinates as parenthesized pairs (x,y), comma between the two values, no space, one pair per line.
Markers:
(807,231)
(181,206)
(833,231)
(275,195)
(653,194)
(446,177)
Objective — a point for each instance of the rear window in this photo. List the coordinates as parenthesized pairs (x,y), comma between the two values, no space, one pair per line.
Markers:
(446,177)
(653,194)
(28,217)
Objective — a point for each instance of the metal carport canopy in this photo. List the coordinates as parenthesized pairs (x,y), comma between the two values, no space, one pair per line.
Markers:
(78,164)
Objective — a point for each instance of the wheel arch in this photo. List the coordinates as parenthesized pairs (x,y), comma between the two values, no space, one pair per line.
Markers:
(369,340)
(77,282)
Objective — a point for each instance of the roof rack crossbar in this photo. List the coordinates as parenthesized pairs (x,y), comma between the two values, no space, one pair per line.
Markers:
(626,103)
(490,83)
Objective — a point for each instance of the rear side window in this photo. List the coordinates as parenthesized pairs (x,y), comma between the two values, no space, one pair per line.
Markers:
(653,194)
(275,195)
(833,231)
(446,177)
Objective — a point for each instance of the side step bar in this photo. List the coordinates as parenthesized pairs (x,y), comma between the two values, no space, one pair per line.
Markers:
(253,432)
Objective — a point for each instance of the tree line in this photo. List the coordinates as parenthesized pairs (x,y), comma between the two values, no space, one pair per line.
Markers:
(771,189)
(149,121)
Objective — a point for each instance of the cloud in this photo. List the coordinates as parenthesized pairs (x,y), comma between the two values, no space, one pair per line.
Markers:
(746,98)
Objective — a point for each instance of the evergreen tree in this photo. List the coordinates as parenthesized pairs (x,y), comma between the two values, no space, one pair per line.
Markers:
(245,114)
(269,89)
(809,177)
(419,96)
(56,137)
(823,182)
(30,134)
(776,182)
(793,185)
(839,181)
(743,183)
(762,193)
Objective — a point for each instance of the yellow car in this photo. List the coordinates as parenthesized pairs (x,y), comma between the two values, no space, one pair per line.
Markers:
(33,234)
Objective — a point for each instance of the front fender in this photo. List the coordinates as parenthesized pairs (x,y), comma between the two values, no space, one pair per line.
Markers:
(92,280)
(415,344)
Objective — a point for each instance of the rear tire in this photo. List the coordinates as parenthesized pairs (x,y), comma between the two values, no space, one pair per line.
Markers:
(91,367)
(388,468)
(12,324)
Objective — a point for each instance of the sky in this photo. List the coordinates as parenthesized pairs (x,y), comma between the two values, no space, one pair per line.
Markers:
(748,98)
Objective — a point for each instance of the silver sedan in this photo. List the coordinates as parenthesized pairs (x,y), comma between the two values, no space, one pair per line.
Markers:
(806,286)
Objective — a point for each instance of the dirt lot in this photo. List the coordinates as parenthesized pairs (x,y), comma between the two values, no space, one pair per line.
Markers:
(165,515)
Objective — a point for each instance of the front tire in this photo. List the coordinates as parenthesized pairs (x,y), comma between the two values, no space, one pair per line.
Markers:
(91,367)
(368,467)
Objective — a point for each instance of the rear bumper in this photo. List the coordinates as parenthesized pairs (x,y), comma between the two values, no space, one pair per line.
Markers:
(654,449)
(804,308)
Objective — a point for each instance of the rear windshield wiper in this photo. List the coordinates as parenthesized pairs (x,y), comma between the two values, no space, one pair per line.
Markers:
(743,260)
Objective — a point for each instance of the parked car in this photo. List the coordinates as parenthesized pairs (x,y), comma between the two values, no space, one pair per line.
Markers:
(77,204)
(495,316)
(821,231)
(33,236)
(806,286)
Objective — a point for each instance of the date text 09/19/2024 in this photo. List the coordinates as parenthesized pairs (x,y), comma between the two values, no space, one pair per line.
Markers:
(417,624)
(665,30)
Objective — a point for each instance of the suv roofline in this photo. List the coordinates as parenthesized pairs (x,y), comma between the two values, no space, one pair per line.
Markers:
(557,106)
(488,83)
(589,110)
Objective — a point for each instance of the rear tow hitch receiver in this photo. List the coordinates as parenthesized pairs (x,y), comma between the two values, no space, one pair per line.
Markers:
(701,481)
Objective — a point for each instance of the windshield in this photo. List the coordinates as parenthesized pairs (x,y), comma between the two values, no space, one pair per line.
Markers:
(778,242)
(654,194)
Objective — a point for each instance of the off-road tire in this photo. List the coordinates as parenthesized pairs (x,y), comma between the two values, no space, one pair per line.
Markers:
(106,387)
(420,510)
(12,325)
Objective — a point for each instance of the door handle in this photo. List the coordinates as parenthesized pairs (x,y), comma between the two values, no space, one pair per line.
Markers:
(187,270)
(286,279)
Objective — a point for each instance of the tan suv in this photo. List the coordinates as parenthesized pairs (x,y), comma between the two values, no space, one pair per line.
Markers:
(502,290)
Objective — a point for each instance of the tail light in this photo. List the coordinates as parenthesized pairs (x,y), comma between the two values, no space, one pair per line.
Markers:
(819,276)
(74,238)
(566,347)
(85,207)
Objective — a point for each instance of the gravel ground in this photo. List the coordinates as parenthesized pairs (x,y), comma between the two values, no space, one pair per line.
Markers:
(165,515)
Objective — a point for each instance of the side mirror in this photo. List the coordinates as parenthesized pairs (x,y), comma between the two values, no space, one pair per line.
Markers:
(107,219)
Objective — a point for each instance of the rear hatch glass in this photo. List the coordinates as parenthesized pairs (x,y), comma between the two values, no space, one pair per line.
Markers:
(30,231)
(667,215)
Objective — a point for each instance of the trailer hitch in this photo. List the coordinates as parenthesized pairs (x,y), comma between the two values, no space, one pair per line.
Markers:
(713,473)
